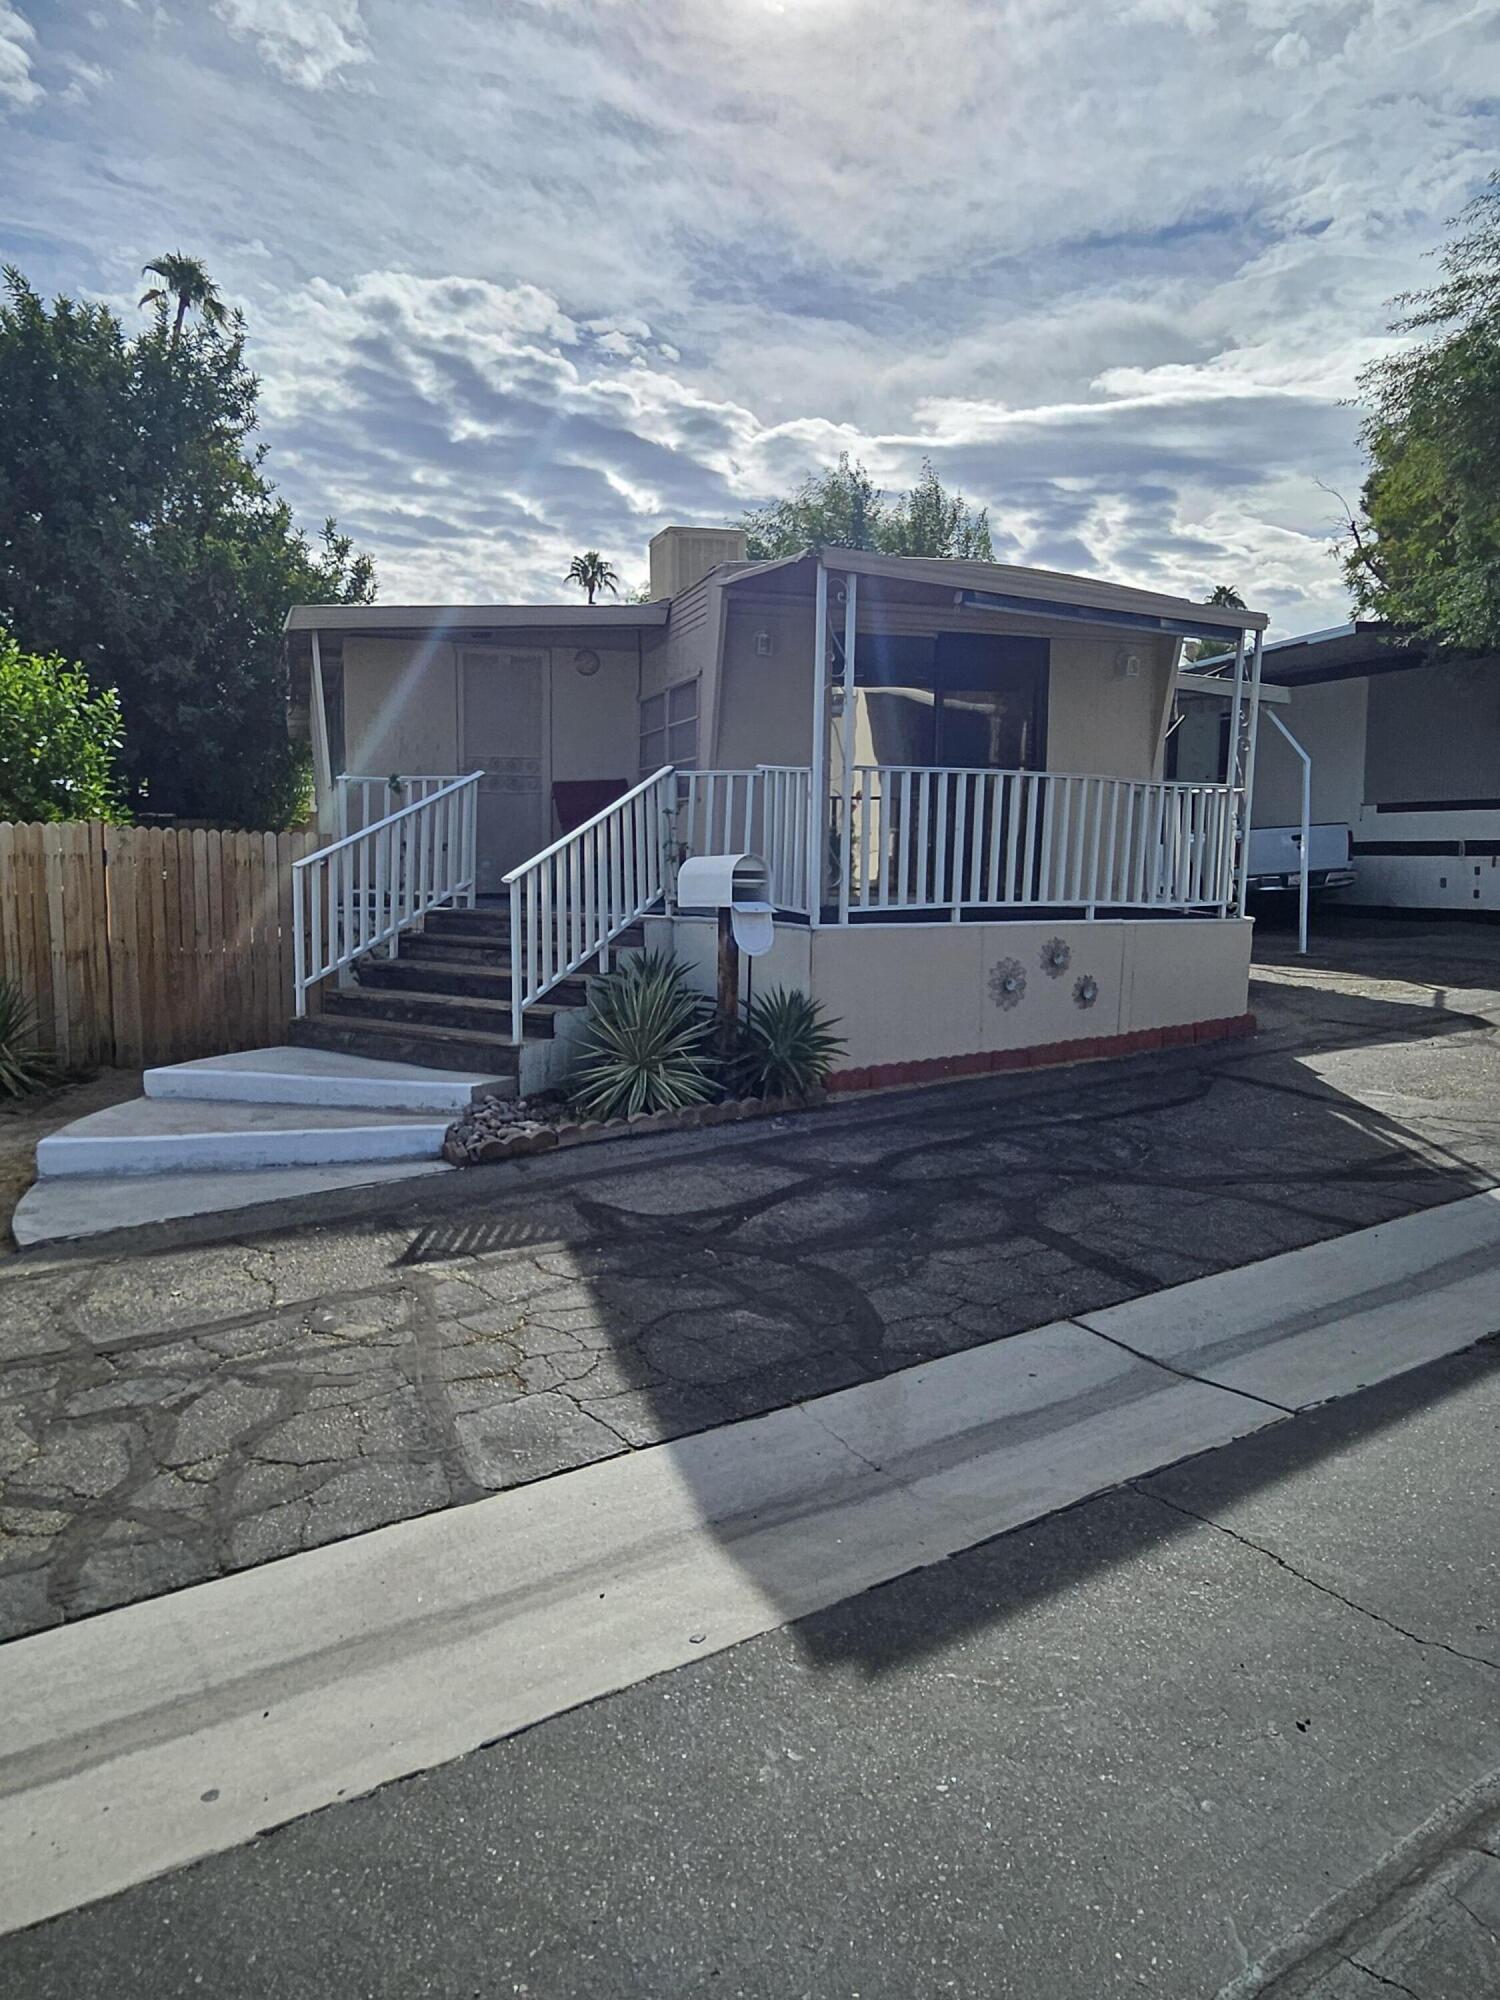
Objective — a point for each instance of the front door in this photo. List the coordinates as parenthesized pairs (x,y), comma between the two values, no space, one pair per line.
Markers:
(503,698)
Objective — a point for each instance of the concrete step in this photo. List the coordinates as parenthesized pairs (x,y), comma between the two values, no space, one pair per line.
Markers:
(421,1007)
(326,1077)
(66,1206)
(408,1042)
(457,975)
(164,1135)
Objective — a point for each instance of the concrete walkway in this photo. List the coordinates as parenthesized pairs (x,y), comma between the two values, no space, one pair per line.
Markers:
(176,1406)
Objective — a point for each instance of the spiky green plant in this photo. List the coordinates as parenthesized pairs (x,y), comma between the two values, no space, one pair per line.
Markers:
(644,1045)
(24,1067)
(788,1045)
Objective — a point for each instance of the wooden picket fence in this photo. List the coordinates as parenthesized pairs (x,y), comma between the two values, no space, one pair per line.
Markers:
(146,945)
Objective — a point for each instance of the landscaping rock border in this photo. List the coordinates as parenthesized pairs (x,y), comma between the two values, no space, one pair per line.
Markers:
(509,1133)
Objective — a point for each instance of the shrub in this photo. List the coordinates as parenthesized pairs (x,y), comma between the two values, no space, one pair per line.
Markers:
(58,739)
(788,1045)
(644,1045)
(24,1067)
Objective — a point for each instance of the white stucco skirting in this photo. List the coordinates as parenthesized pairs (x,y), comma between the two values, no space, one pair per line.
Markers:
(140,1740)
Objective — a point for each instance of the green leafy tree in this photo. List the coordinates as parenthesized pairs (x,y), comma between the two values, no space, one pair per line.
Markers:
(931,521)
(184,280)
(592,573)
(840,508)
(843,508)
(58,739)
(1423,549)
(140,537)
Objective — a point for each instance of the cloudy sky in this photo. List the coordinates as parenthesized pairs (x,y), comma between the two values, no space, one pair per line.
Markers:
(525,276)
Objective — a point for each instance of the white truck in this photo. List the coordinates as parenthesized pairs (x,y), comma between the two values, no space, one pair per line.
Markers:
(1276,858)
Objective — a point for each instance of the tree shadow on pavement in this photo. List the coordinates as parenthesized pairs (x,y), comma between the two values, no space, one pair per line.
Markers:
(194,1411)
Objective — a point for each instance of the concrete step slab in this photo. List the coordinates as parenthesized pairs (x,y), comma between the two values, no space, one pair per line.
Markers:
(149,1135)
(409,1042)
(69,1206)
(326,1077)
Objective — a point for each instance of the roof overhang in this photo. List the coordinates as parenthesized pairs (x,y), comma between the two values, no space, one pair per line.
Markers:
(1220,687)
(1337,653)
(393,620)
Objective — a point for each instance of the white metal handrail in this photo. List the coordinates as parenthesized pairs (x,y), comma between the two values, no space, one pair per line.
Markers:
(931,839)
(362,891)
(363,798)
(568,903)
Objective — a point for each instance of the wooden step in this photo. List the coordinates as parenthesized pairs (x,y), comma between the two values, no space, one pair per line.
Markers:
(401,1041)
(440,1010)
(458,976)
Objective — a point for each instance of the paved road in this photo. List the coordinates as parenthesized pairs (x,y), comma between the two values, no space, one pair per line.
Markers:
(185,1406)
(1129,1750)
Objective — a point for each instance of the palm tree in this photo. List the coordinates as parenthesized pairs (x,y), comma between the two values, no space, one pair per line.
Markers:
(591,572)
(186,280)
(1228,598)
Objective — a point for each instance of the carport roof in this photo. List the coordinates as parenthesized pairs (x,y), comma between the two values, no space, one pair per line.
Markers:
(1028,592)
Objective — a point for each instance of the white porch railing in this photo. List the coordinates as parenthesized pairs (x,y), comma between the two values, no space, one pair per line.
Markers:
(361,800)
(953,840)
(762,811)
(362,891)
(568,902)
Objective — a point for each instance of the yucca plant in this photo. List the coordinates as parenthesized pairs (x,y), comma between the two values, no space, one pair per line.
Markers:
(644,1045)
(788,1045)
(24,1067)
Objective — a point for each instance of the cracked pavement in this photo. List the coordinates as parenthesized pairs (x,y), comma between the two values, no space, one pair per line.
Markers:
(178,1406)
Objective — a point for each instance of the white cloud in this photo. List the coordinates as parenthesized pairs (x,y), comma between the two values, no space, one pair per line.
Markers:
(306,41)
(594,266)
(18,87)
(86,79)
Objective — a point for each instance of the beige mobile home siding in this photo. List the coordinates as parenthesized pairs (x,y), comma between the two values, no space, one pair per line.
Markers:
(1100,722)
(1329,721)
(401,707)
(765,707)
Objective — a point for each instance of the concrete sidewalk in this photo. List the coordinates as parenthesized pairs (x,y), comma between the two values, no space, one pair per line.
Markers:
(179,1406)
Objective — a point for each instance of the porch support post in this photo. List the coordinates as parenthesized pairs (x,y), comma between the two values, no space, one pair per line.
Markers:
(846,815)
(817,790)
(322,763)
(1302,886)
(1232,760)
(1250,769)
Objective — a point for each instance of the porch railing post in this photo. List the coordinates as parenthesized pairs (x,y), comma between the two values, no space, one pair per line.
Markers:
(817,803)
(846,797)
(517,967)
(1249,793)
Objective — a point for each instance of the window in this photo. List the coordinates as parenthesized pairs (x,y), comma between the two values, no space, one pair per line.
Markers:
(669,728)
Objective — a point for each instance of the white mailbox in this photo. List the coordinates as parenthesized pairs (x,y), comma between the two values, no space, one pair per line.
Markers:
(739,883)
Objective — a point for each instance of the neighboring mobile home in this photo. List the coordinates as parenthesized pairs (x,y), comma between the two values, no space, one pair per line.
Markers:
(953,770)
(1405,750)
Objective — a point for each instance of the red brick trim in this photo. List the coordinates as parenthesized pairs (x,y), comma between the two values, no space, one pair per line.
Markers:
(1048,1055)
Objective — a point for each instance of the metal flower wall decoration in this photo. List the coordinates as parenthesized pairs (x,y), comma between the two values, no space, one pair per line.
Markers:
(1057,956)
(1008,982)
(1085,990)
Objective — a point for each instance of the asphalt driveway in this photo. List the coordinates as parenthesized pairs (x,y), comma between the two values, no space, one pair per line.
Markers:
(183,1404)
